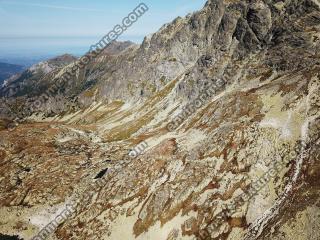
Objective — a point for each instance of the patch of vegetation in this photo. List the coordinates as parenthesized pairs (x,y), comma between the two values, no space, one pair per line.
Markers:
(265,76)
(173,59)
(163,80)
(89,93)
(125,131)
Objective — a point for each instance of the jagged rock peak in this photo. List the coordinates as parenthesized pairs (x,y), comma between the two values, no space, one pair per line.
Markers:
(117,47)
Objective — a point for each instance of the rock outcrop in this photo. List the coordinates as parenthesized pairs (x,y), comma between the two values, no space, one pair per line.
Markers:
(241,162)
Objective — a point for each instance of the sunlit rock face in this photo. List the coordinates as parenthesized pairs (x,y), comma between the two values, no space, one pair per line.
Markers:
(241,162)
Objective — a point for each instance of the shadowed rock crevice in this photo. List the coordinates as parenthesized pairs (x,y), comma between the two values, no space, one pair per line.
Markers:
(101,173)
(8,237)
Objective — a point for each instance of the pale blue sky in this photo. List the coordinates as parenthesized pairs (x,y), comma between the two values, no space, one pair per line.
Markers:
(36,26)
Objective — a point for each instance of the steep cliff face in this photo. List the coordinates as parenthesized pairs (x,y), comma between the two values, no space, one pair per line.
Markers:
(227,102)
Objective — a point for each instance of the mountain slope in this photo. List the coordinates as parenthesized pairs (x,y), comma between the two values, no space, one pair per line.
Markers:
(226,101)
(6,70)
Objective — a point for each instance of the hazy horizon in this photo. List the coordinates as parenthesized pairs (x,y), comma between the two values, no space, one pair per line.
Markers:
(37,30)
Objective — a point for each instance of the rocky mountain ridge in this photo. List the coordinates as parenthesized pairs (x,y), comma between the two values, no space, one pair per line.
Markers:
(184,184)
